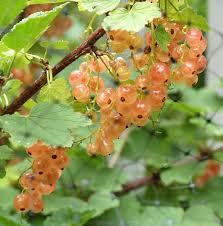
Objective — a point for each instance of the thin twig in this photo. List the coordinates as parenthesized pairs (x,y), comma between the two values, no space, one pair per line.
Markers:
(83,49)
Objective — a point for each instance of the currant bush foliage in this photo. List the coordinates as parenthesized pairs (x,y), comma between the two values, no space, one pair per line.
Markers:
(175,151)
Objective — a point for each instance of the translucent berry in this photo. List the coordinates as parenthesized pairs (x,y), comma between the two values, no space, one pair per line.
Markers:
(123,73)
(78,77)
(193,37)
(81,92)
(140,60)
(188,67)
(140,112)
(142,83)
(46,189)
(22,202)
(127,94)
(92,149)
(29,181)
(160,73)
(41,165)
(105,146)
(201,64)
(38,149)
(36,204)
(106,98)
(96,84)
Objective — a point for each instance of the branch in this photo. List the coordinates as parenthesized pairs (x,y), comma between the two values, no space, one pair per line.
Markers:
(126,188)
(83,49)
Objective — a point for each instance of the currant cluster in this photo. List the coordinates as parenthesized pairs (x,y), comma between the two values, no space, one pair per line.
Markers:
(46,170)
(60,25)
(134,100)
(212,170)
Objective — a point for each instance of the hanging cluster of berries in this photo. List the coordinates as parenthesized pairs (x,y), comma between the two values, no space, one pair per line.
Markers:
(46,170)
(212,170)
(61,24)
(135,99)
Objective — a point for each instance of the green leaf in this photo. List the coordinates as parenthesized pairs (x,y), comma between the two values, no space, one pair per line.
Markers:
(210,195)
(197,99)
(6,58)
(6,153)
(162,37)
(60,44)
(2,169)
(12,88)
(200,215)
(96,205)
(180,174)
(190,17)
(55,203)
(57,91)
(171,7)
(50,123)
(67,217)
(6,221)
(135,215)
(98,6)
(90,172)
(9,10)
(102,201)
(157,154)
(28,31)
(7,195)
(132,20)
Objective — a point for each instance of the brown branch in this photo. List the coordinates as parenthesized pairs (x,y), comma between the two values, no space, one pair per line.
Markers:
(126,188)
(83,49)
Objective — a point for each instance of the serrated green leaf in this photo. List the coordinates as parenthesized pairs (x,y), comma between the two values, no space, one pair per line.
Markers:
(98,6)
(96,205)
(40,125)
(55,203)
(102,201)
(9,10)
(67,217)
(132,20)
(162,37)
(57,91)
(157,154)
(197,100)
(28,31)
(171,7)
(179,174)
(190,17)
(88,171)
(6,153)
(60,44)
(210,195)
(135,215)
(200,215)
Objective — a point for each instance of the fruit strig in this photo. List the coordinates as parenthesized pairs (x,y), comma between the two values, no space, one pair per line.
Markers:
(46,170)
(132,101)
